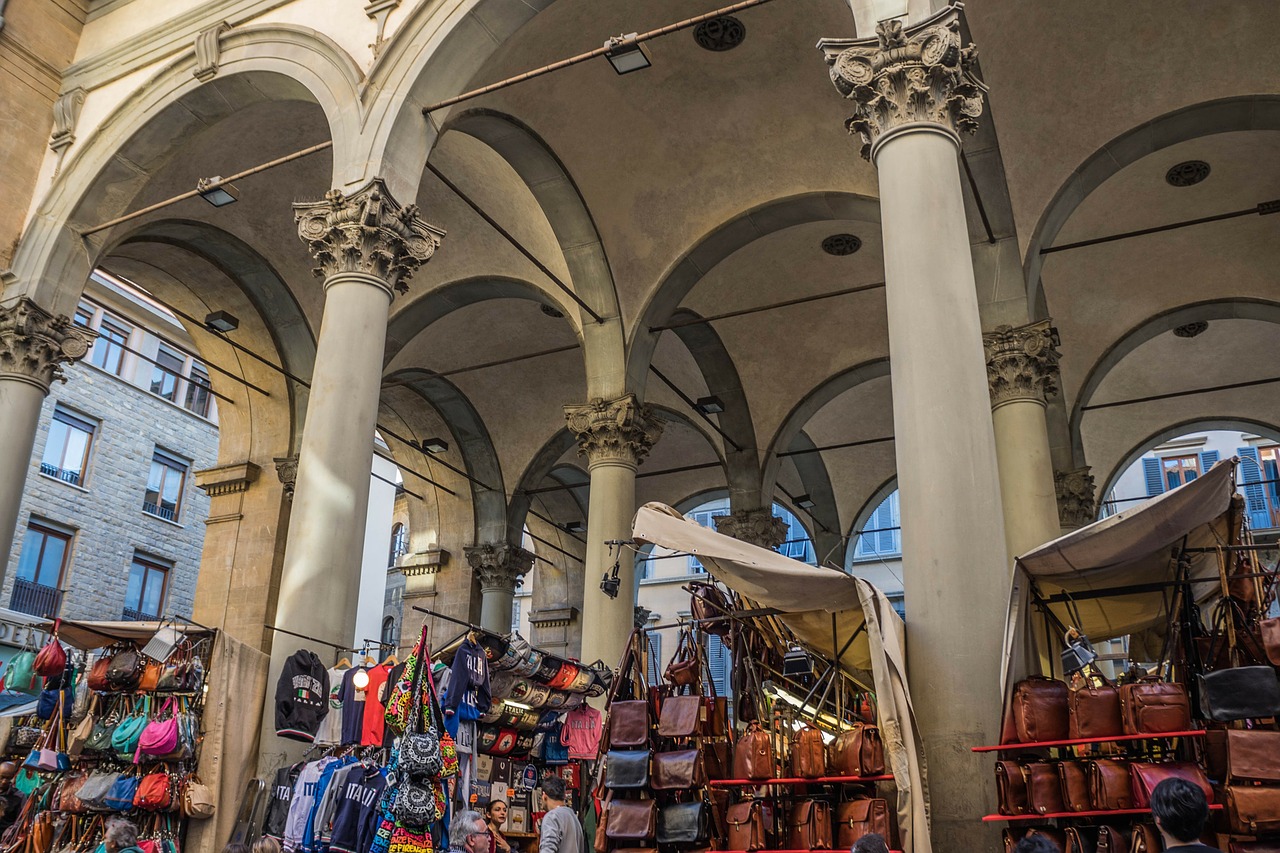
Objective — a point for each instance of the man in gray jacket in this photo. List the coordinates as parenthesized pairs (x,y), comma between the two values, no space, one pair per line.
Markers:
(561,832)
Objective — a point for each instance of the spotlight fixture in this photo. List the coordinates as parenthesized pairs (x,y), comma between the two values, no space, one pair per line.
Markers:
(222,321)
(1190,330)
(435,445)
(805,502)
(709,405)
(796,661)
(626,54)
(218,196)
(1187,174)
(573,526)
(611,583)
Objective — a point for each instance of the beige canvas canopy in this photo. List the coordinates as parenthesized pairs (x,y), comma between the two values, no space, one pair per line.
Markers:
(808,597)
(1118,570)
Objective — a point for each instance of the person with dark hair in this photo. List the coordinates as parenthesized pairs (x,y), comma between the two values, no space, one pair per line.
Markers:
(872,842)
(496,815)
(11,799)
(561,831)
(1035,842)
(1181,811)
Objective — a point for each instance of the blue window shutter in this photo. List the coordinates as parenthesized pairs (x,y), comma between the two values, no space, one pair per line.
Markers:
(655,656)
(719,663)
(1255,498)
(1208,459)
(1155,480)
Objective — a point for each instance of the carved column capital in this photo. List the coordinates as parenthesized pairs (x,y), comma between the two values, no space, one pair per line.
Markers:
(498,567)
(367,232)
(34,344)
(621,430)
(287,471)
(1076,503)
(906,78)
(1022,363)
(754,526)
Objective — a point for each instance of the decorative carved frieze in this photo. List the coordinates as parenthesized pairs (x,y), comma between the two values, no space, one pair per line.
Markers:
(427,562)
(209,51)
(498,566)
(621,430)
(34,344)
(754,526)
(66,112)
(553,617)
(287,471)
(227,479)
(1076,503)
(367,232)
(1022,363)
(907,77)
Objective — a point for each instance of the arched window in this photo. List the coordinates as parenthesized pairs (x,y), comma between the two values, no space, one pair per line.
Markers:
(880,536)
(390,636)
(399,543)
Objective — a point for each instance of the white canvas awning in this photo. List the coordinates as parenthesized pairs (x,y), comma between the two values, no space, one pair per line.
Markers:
(809,596)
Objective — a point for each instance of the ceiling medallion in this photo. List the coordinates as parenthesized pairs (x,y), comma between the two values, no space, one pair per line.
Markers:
(1190,330)
(551,311)
(719,34)
(1187,174)
(841,244)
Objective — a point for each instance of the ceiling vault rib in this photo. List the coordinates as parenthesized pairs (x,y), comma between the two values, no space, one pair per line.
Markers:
(802,300)
(977,197)
(1262,209)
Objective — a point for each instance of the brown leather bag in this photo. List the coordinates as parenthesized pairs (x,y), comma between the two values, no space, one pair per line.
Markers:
(1040,709)
(857,818)
(1253,847)
(1146,776)
(809,826)
(717,759)
(681,716)
(600,843)
(631,820)
(1044,791)
(1011,788)
(67,800)
(679,770)
(685,667)
(1253,810)
(1145,839)
(1112,840)
(628,724)
(1081,839)
(715,716)
(98,674)
(808,753)
(746,826)
(1154,707)
(150,679)
(1269,632)
(1093,709)
(708,601)
(753,755)
(1110,788)
(1073,777)
(856,752)
(1253,756)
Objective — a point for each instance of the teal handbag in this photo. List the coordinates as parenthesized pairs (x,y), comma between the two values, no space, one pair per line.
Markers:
(124,740)
(21,675)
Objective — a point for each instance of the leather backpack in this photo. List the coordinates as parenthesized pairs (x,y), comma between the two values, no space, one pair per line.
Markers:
(808,754)
(809,826)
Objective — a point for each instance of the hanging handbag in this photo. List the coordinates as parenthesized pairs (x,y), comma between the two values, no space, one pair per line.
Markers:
(68,794)
(856,751)
(1253,810)
(79,737)
(50,756)
(808,753)
(94,791)
(159,737)
(414,804)
(685,666)
(631,820)
(679,770)
(626,769)
(1239,693)
(1110,785)
(21,674)
(857,818)
(753,755)
(746,827)
(681,716)
(809,826)
(1146,776)
(197,799)
(98,673)
(125,670)
(709,604)
(52,658)
(1073,778)
(1152,706)
(1093,708)
(1044,790)
(717,759)
(684,823)
(628,724)
(120,797)
(1243,756)
(1040,710)
(1011,788)
(149,679)
(124,739)
(154,792)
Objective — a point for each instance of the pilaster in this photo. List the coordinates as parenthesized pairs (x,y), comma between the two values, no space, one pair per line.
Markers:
(620,431)
(1022,363)
(1077,505)
(34,344)
(754,526)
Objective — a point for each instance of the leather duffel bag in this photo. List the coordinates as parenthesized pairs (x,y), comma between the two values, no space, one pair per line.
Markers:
(856,752)
(1040,709)
(1154,707)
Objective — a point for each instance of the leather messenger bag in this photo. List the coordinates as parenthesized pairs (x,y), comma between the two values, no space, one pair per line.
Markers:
(1040,709)
(1147,776)
(1110,788)
(628,724)
(809,826)
(678,771)
(1253,810)
(746,827)
(626,769)
(684,823)
(1253,756)
(1074,776)
(681,716)
(630,820)
(1044,790)
(1239,693)
(857,818)
(1011,788)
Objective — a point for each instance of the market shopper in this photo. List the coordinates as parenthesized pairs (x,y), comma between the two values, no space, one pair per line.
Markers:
(468,833)
(10,797)
(1036,842)
(1181,811)
(496,816)
(561,831)
(121,837)
(266,844)
(872,842)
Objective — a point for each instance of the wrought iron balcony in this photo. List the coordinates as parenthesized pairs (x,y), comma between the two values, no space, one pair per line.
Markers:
(35,599)
(72,477)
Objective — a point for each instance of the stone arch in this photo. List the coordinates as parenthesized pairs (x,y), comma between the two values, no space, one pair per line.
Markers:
(863,515)
(719,244)
(272,62)
(539,468)
(1251,112)
(825,513)
(1218,309)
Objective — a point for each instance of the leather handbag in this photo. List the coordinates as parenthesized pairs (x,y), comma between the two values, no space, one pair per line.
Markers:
(160,737)
(753,755)
(68,799)
(1011,788)
(1073,777)
(856,752)
(1251,756)
(857,818)
(631,820)
(707,602)
(1154,707)
(1044,790)
(51,660)
(808,753)
(197,799)
(809,826)
(746,826)
(1253,810)
(1081,839)
(149,680)
(125,670)
(1112,840)
(1093,709)
(98,674)
(678,771)
(1145,839)
(684,823)
(1110,788)
(1269,631)
(681,716)
(120,797)
(685,667)
(716,713)
(1146,776)
(626,769)
(717,759)
(94,791)
(1040,709)
(628,724)
(1239,693)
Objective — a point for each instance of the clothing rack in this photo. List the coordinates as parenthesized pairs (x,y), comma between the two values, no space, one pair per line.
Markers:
(334,646)
(469,626)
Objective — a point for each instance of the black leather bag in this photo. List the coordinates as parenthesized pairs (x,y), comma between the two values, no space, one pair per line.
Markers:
(1239,693)
(625,769)
(684,823)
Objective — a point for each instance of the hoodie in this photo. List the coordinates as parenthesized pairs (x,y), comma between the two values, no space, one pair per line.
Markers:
(302,696)
(468,694)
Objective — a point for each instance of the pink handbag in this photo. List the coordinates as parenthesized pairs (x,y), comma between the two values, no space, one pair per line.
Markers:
(160,737)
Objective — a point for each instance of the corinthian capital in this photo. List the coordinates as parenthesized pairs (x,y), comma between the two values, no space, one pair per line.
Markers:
(1076,504)
(754,526)
(1022,363)
(367,232)
(498,566)
(905,77)
(620,430)
(34,344)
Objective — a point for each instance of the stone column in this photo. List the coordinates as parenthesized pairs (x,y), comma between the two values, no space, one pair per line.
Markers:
(755,526)
(34,345)
(614,435)
(498,568)
(1022,372)
(1077,505)
(912,91)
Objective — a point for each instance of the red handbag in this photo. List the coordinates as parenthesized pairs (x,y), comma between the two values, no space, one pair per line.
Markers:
(155,792)
(51,661)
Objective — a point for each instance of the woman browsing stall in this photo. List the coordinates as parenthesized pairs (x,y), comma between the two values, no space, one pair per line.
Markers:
(495,816)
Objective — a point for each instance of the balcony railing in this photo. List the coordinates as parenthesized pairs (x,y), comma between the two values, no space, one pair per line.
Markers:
(161,511)
(130,615)
(35,599)
(72,477)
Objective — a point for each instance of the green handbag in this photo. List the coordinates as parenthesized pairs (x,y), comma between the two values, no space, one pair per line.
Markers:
(26,781)
(124,740)
(99,739)
(21,675)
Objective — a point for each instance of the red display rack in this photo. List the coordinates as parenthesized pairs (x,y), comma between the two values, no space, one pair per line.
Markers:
(1081,741)
(793,780)
(992,818)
